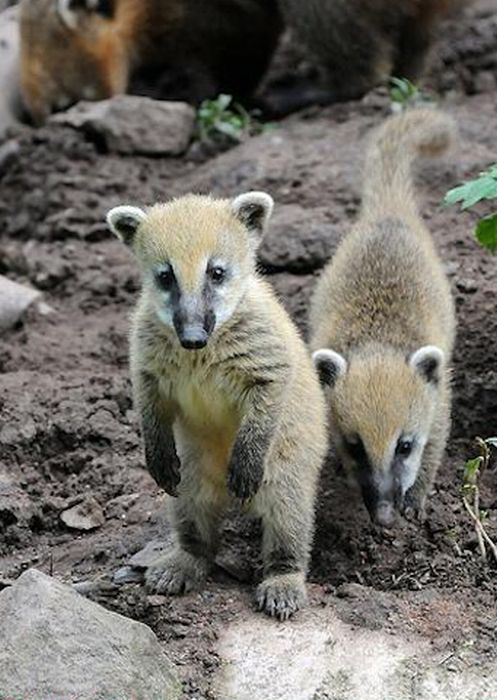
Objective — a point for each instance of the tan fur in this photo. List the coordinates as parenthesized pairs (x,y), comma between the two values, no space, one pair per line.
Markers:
(219,50)
(253,379)
(383,296)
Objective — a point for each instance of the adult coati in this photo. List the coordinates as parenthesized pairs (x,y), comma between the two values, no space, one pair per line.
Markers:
(89,49)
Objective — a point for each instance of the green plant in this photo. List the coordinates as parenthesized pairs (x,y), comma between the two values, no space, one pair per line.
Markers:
(405,94)
(471,193)
(473,469)
(222,118)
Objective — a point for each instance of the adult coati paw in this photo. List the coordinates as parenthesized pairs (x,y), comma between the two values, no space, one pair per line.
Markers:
(281,596)
(176,573)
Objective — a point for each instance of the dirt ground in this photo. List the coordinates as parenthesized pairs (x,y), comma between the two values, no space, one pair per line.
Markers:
(67,427)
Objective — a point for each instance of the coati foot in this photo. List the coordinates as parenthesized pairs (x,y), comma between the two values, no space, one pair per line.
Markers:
(176,573)
(282,595)
(413,508)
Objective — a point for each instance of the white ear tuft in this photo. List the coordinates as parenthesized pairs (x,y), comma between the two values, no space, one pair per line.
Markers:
(330,365)
(70,10)
(253,209)
(124,222)
(428,361)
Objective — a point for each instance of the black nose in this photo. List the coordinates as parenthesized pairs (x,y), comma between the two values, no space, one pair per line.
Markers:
(193,338)
(384,514)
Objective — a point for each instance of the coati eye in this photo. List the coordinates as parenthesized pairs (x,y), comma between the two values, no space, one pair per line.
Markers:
(217,274)
(404,448)
(165,278)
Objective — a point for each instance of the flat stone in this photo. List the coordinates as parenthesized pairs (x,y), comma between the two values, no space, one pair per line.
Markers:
(128,124)
(126,574)
(86,515)
(55,645)
(15,299)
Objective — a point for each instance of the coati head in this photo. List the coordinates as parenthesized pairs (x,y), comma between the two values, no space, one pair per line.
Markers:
(382,409)
(70,50)
(197,255)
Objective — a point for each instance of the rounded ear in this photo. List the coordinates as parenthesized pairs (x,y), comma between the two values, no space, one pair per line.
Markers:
(71,11)
(124,221)
(329,365)
(428,362)
(253,209)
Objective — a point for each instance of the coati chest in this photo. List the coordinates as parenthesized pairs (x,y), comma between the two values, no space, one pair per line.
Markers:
(208,409)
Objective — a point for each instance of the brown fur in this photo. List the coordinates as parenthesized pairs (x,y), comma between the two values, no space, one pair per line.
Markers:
(383,297)
(220,50)
(241,418)
(361,43)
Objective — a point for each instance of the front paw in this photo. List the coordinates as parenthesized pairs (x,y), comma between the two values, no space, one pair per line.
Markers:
(282,595)
(244,480)
(165,469)
(413,507)
(176,573)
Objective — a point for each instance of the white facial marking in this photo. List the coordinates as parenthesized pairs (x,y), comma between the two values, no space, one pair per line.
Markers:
(67,14)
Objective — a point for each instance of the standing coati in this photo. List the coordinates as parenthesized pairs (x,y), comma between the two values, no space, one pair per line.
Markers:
(361,43)
(230,404)
(88,49)
(382,328)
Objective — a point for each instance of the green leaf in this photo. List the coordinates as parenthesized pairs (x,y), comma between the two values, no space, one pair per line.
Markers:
(472,192)
(486,233)
(223,101)
(471,468)
(228,129)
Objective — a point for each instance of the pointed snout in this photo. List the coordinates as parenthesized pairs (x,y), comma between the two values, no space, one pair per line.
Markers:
(193,323)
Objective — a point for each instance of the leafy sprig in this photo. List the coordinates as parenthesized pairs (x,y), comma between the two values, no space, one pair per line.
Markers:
(471,193)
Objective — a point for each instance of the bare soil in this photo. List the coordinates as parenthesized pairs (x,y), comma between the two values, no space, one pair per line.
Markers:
(67,427)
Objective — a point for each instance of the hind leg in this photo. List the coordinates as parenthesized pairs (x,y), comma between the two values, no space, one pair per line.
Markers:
(195,516)
(287,512)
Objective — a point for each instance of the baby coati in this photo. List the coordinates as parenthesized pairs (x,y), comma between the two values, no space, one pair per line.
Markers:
(382,328)
(230,404)
(89,49)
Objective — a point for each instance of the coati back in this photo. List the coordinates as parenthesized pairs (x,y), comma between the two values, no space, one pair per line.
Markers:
(230,405)
(382,328)
(361,43)
(88,49)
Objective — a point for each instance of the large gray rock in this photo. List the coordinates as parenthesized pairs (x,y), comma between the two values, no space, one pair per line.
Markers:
(9,70)
(56,645)
(129,124)
(298,240)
